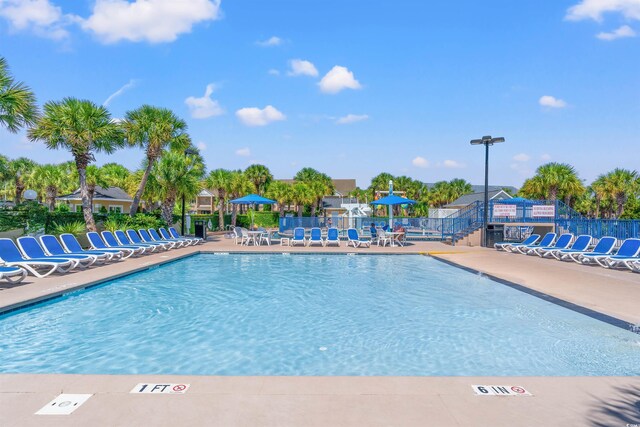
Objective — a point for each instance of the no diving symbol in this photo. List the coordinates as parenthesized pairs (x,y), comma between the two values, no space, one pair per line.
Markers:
(179,387)
(519,390)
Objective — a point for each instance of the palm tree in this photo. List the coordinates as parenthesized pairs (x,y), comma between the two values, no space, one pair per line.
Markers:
(17,102)
(49,179)
(380,182)
(239,185)
(282,193)
(260,176)
(154,129)
(619,185)
(553,181)
(115,175)
(220,181)
(319,185)
(20,169)
(459,187)
(177,175)
(302,195)
(83,128)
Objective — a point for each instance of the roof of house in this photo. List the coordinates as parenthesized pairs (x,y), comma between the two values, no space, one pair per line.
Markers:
(467,199)
(111,193)
(205,193)
(342,186)
(335,202)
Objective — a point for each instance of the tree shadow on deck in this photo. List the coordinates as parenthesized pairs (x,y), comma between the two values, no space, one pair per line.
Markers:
(621,410)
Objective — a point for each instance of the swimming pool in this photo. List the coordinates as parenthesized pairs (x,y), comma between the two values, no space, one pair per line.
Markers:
(310,315)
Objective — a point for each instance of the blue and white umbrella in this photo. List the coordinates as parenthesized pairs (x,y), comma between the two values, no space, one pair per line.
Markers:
(252,199)
(392,200)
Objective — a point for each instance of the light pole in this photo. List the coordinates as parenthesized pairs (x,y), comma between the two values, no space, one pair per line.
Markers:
(486,141)
(186,153)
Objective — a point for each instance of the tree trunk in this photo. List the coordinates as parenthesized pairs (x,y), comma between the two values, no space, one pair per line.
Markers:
(84,194)
(620,200)
(143,184)
(19,190)
(167,209)
(221,209)
(300,208)
(52,192)
(281,210)
(234,214)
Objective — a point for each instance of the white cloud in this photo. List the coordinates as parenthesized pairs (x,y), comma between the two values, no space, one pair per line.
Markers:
(522,157)
(551,102)
(256,117)
(39,16)
(594,9)
(420,162)
(622,32)
(154,21)
(270,42)
(202,146)
(244,152)
(352,118)
(452,164)
(300,67)
(274,72)
(337,79)
(204,107)
(545,157)
(119,92)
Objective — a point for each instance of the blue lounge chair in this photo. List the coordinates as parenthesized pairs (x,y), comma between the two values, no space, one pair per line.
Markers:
(132,238)
(31,249)
(603,248)
(98,244)
(147,238)
(547,240)
(354,239)
(111,240)
(167,236)
(53,248)
(563,242)
(12,274)
(333,236)
(627,253)
(581,244)
(298,236)
(176,235)
(11,256)
(315,237)
(507,246)
(157,237)
(72,245)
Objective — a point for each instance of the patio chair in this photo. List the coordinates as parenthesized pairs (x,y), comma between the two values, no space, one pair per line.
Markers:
(53,248)
(11,256)
(603,248)
(111,241)
(563,242)
(179,243)
(627,253)
(315,237)
(298,236)
(547,240)
(124,239)
(382,237)
(31,249)
(176,235)
(265,236)
(148,238)
(507,246)
(167,236)
(12,274)
(98,244)
(72,245)
(333,236)
(134,239)
(581,244)
(354,239)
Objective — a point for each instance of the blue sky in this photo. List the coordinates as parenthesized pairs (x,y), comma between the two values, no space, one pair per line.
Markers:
(351,88)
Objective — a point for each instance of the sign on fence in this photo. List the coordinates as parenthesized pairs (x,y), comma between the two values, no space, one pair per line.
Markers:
(545,211)
(500,209)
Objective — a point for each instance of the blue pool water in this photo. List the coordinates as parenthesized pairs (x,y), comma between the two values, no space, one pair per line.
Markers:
(310,315)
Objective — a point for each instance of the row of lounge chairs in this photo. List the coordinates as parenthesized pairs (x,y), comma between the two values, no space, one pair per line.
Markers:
(47,255)
(332,237)
(579,249)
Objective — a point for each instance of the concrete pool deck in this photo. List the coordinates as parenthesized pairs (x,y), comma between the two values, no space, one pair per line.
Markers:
(344,401)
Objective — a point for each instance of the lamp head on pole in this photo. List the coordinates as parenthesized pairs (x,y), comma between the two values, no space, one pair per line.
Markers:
(487,140)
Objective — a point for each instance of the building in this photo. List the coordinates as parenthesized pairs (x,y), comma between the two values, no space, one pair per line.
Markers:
(467,199)
(113,199)
(205,202)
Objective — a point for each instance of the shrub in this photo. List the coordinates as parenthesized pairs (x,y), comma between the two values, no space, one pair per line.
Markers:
(76,228)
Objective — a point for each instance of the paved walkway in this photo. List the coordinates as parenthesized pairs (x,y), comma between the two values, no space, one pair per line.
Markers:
(344,401)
